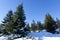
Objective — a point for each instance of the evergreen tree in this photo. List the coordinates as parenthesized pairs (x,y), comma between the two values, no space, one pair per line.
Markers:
(58,23)
(28,27)
(1,28)
(50,24)
(33,26)
(7,23)
(39,26)
(19,22)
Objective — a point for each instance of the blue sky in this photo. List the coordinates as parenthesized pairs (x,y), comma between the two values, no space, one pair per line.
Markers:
(34,9)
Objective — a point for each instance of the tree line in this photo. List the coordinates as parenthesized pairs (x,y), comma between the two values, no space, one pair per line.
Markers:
(50,25)
(14,23)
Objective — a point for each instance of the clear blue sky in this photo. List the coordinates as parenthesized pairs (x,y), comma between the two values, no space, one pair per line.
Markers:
(34,9)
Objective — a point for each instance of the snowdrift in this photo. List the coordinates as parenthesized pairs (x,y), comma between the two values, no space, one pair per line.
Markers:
(43,35)
(3,38)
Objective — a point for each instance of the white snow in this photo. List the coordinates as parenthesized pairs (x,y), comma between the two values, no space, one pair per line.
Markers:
(3,38)
(51,38)
(58,30)
(43,35)
(19,39)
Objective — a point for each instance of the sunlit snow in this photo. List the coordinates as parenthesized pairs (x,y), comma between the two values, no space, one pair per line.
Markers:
(43,35)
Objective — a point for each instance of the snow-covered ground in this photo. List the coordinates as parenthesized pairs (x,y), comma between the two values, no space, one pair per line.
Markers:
(3,38)
(51,38)
(43,35)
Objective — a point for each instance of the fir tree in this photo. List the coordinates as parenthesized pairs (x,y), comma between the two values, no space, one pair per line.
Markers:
(1,28)
(58,23)
(28,27)
(7,23)
(33,26)
(50,24)
(39,26)
(19,22)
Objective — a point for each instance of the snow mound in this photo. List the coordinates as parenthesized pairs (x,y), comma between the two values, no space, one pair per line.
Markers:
(3,38)
(51,38)
(43,33)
